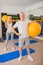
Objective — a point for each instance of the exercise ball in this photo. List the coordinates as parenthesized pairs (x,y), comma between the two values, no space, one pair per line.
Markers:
(4,18)
(33,29)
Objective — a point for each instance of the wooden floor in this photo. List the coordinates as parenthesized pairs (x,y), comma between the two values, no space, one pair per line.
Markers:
(38,55)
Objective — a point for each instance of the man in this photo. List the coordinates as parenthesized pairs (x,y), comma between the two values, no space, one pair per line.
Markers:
(23,36)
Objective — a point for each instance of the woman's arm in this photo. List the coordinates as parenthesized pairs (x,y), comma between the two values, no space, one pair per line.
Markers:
(6,25)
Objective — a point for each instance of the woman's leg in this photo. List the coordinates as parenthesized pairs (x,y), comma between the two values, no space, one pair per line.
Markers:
(6,42)
(12,40)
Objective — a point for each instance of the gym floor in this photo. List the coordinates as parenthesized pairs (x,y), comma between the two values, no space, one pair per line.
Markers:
(38,55)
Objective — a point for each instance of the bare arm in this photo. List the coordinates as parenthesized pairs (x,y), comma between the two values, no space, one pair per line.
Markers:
(13,29)
(6,25)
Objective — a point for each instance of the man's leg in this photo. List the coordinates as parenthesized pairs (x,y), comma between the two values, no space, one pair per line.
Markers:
(28,48)
(21,41)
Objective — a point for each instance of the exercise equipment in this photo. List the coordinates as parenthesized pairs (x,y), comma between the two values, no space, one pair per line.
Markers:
(34,29)
(13,55)
(4,18)
(31,42)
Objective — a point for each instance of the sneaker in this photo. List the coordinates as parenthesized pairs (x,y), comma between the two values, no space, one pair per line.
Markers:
(20,58)
(30,58)
(13,48)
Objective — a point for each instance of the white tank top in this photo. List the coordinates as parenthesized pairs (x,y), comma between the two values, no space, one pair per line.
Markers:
(9,29)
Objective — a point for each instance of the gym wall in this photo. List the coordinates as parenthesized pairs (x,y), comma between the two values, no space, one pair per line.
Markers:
(10,10)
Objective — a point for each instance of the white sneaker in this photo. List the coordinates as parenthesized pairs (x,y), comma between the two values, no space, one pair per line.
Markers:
(20,58)
(30,58)
(5,49)
(13,48)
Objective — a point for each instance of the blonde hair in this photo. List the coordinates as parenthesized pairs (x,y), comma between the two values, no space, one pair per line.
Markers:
(9,17)
(22,13)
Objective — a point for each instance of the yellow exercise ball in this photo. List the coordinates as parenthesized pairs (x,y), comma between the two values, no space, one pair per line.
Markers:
(34,29)
(4,18)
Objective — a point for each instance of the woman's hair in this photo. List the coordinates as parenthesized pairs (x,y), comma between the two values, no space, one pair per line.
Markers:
(9,17)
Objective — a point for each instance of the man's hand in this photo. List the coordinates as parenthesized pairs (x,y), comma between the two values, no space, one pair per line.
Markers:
(14,31)
(18,34)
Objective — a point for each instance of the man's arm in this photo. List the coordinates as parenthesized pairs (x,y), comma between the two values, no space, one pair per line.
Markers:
(14,31)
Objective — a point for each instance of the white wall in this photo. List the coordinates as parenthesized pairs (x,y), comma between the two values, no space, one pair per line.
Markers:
(10,10)
(36,12)
(34,6)
(36,9)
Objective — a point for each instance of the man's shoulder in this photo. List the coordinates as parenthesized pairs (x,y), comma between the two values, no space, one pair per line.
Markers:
(28,21)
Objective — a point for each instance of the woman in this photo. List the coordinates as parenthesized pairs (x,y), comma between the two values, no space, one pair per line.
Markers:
(8,25)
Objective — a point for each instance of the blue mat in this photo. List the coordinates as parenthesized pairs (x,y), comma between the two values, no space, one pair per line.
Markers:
(13,55)
(41,34)
(15,37)
(31,42)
